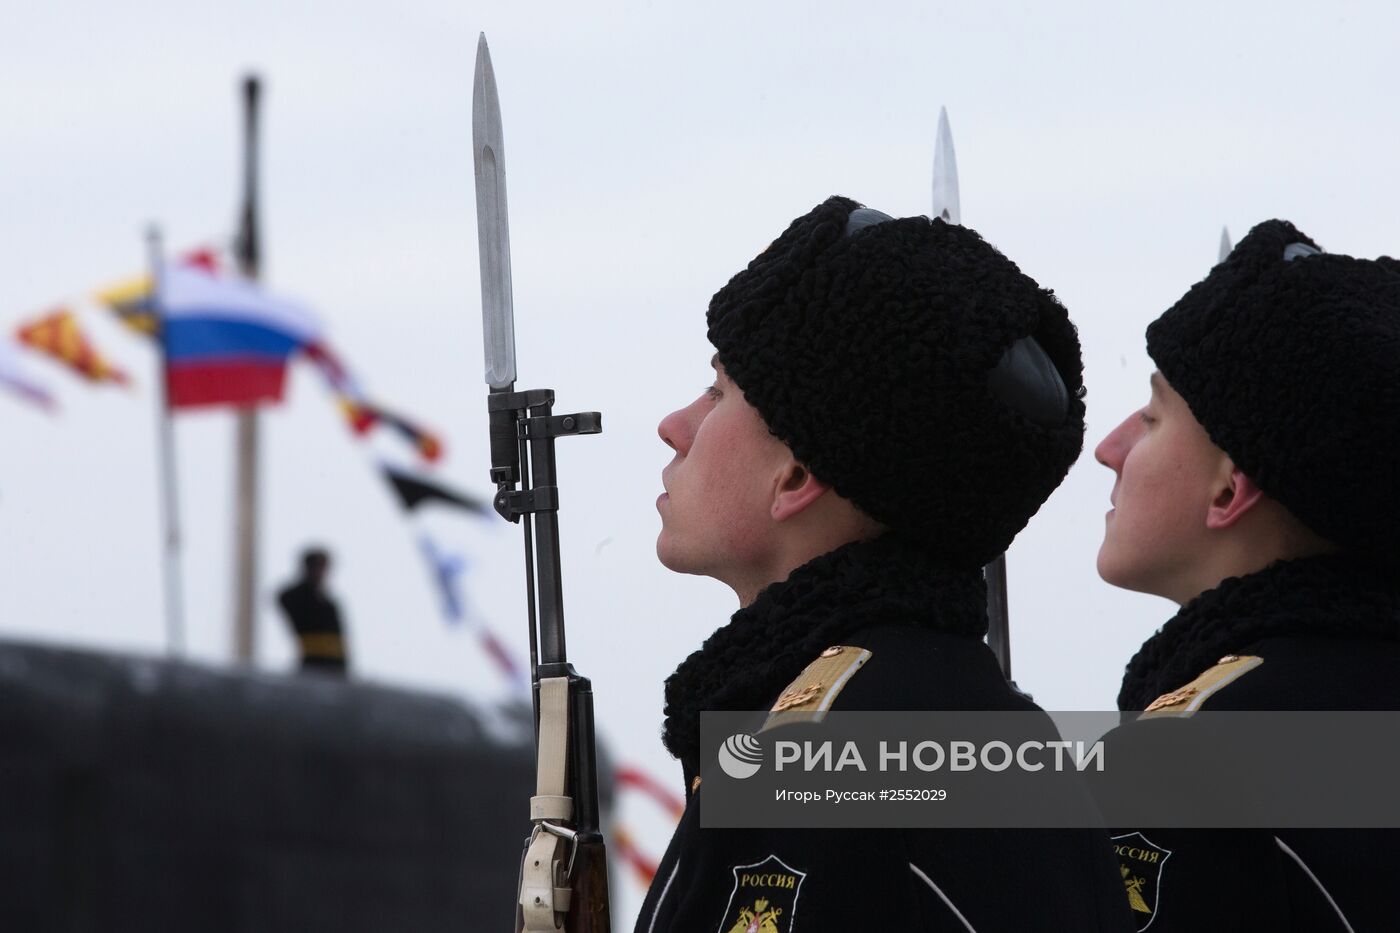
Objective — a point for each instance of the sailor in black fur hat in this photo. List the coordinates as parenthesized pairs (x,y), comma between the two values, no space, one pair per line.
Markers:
(893,400)
(1259,488)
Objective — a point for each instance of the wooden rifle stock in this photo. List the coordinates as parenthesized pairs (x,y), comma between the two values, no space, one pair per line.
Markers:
(589,913)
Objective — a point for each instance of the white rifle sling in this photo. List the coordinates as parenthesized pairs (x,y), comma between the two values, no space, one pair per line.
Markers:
(541,879)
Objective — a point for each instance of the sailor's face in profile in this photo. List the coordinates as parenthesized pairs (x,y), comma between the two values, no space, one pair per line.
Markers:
(1165,475)
(719,484)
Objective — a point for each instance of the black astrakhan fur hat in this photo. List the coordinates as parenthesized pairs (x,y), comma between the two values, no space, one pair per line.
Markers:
(1290,359)
(869,349)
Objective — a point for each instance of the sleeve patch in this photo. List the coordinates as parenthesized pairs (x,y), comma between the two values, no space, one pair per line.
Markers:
(1141,862)
(764,898)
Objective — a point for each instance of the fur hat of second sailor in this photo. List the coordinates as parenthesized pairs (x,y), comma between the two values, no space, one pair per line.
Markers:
(1289,357)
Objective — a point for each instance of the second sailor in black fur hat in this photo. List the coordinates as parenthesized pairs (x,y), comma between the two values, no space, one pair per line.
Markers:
(1259,489)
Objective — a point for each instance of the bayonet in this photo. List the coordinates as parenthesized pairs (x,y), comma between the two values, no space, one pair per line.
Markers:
(945,173)
(492,224)
(948,206)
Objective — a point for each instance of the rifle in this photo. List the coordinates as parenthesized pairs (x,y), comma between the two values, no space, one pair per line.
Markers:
(563,873)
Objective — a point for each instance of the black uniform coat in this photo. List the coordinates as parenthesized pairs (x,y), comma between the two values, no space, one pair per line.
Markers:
(1315,634)
(923,625)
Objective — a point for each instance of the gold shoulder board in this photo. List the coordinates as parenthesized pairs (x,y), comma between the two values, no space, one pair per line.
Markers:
(1186,700)
(808,697)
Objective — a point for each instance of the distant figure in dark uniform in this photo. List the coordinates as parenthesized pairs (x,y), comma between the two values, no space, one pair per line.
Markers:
(1259,489)
(314,616)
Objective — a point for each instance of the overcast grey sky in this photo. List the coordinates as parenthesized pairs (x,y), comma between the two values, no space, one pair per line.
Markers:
(652,150)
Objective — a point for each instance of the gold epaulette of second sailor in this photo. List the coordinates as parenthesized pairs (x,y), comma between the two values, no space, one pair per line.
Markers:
(1188,699)
(808,697)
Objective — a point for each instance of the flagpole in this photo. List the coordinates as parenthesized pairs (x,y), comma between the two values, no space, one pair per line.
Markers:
(170,494)
(246,489)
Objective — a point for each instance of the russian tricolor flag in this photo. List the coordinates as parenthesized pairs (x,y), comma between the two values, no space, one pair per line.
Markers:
(227,342)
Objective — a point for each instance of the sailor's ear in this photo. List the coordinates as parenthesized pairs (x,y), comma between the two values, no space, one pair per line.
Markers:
(797,488)
(1235,496)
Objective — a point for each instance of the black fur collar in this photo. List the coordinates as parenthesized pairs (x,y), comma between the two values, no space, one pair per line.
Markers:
(1328,595)
(745,663)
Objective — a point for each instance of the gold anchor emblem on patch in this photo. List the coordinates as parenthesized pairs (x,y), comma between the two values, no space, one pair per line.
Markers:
(758,920)
(1134,886)
(797,697)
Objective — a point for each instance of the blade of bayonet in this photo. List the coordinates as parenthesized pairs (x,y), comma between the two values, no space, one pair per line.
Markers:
(948,205)
(492,224)
(945,173)
(1225,245)
(998,615)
